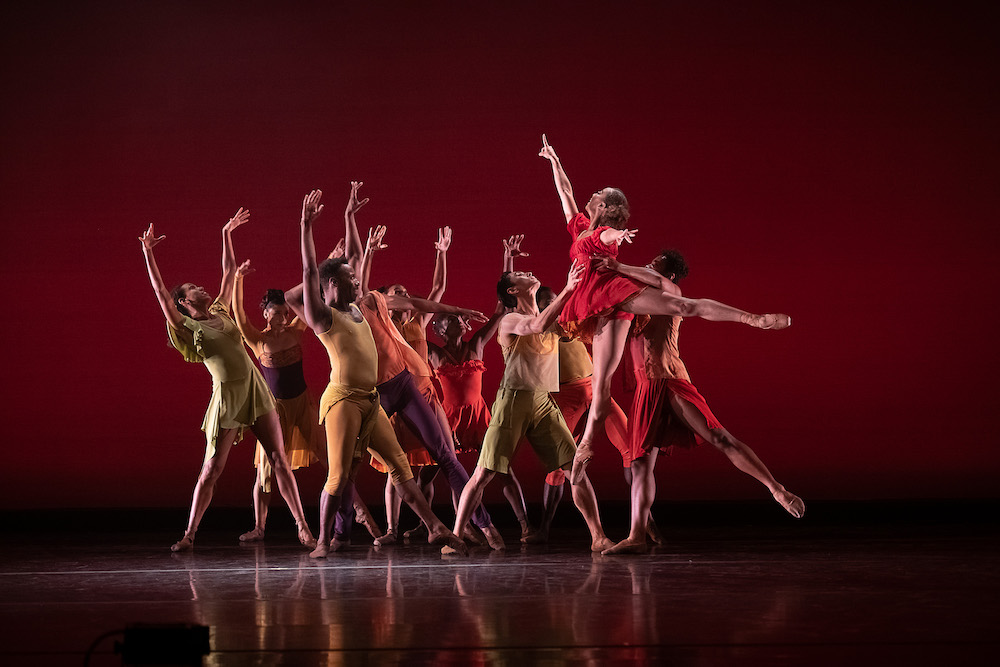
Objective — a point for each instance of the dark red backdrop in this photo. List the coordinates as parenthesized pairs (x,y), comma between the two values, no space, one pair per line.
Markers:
(835,162)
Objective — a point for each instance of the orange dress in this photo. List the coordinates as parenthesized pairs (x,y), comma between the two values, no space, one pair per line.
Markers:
(600,292)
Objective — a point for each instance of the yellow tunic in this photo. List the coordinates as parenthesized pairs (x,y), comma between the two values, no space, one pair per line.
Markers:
(574,361)
(239,393)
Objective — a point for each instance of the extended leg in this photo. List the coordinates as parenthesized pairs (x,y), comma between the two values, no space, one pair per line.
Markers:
(586,502)
(515,496)
(472,496)
(739,454)
(205,487)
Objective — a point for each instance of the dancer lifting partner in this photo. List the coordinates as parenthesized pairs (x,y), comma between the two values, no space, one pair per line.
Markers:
(668,410)
(601,309)
(349,408)
(523,406)
(202,331)
(278,348)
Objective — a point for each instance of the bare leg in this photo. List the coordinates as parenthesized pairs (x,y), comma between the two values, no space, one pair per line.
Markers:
(268,431)
(609,344)
(586,502)
(738,453)
(651,528)
(551,496)
(515,496)
(654,302)
(424,478)
(261,502)
(472,496)
(205,487)
(393,504)
(643,493)
(438,532)
(365,518)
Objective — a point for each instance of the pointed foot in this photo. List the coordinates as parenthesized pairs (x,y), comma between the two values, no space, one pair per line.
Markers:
(627,546)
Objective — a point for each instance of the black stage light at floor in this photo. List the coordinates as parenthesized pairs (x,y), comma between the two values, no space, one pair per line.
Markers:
(164,644)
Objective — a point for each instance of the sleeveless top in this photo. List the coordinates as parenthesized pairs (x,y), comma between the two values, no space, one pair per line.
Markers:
(532,363)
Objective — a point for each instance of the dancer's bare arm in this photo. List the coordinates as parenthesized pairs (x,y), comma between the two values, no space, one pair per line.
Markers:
(229,256)
(440,280)
(393,302)
(641,274)
(250,333)
(487,331)
(170,312)
(525,325)
(354,250)
(374,244)
(617,236)
(563,187)
(512,249)
(314,310)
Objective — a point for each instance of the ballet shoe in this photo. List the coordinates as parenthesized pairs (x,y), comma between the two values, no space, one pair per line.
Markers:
(186,543)
(416,533)
(340,542)
(626,546)
(791,502)
(772,321)
(536,537)
(493,538)
(653,531)
(255,535)
(365,518)
(384,540)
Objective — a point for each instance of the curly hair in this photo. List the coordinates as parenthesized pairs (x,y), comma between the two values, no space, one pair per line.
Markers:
(616,210)
(674,264)
(328,270)
(275,297)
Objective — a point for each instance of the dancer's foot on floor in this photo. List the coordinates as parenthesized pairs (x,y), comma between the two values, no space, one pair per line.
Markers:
(493,538)
(186,543)
(791,502)
(526,529)
(653,531)
(305,535)
(340,542)
(537,536)
(385,540)
(581,460)
(320,551)
(453,545)
(601,543)
(420,532)
(365,518)
(627,546)
(255,535)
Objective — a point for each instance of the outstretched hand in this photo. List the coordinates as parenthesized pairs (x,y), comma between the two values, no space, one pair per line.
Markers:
(621,235)
(242,217)
(353,204)
(444,239)
(471,315)
(547,151)
(339,250)
(575,275)
(244,268)
(149,238)
(512,246)
(375,235)
(311,208)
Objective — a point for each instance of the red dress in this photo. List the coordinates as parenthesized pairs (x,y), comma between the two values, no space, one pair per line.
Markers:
(463,402)
(599,292)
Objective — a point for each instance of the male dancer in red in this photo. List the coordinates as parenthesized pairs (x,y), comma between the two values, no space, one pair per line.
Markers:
(668,410)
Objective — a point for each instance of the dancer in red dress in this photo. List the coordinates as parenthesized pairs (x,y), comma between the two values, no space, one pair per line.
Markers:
(601,309)
(668,411)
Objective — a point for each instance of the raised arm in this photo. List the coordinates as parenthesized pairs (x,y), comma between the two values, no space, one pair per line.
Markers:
(487,331)
(314,310)
(354,250)
(563,186)
(229,255)
(375,236)
(170,312)
(540,323)
(250,333)
(512,249)
(393,302)
(440,280)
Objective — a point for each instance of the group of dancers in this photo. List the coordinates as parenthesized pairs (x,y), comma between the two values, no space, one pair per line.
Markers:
(414,405)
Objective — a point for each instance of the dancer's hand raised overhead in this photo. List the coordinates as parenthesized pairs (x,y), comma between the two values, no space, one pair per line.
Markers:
(311,208)
(149,238)
(547,151)
(241,217)
(444,239)
(375,236)
(354,204)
